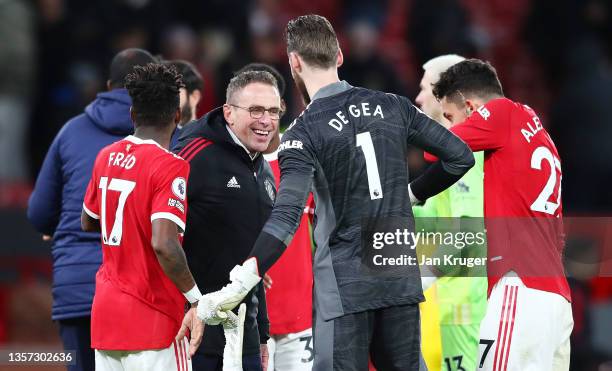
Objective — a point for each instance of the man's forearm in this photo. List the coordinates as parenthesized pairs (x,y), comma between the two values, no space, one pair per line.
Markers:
(435,180)
(174,263)
(267,250)
(89,224)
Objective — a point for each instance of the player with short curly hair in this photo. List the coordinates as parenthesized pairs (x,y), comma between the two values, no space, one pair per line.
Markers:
(136,198)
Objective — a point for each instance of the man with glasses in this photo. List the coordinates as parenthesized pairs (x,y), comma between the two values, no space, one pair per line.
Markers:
(349,147)
(231,193)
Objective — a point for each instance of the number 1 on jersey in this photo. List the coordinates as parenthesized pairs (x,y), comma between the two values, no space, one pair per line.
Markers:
(125,187)
(364,140)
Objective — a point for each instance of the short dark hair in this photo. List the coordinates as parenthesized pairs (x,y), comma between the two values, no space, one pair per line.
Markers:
(241,80)
(191,76)
(123,63)
(470,77)
(154,90)
(313,38)
(266,67)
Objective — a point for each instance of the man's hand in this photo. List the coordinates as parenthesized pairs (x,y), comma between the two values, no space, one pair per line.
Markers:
(213,308)
(192,323)
(233,329)
(263,350)
(267,281)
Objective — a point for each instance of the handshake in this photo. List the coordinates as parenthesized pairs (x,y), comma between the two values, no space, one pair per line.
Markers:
(215,308)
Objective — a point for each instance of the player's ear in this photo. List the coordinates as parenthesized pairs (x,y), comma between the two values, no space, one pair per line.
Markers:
(340,58)
(177,115)
(470,106)
(295,62)
(132,114)
(227,114)
(196,95)
(108,85)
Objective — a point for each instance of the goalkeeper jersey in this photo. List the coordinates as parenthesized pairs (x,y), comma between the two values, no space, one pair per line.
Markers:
(461,300)
(349,147)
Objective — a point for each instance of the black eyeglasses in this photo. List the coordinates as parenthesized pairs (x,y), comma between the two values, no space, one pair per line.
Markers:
(257,112)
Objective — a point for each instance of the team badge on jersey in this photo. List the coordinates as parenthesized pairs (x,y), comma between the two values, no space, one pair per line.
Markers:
(179,188)
(269,189)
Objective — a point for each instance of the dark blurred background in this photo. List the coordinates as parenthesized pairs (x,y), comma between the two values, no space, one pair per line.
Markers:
(54,56)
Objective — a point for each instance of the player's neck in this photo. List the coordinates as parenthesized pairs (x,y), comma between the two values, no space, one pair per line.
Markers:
(487,99)
(314,80)
(160,135)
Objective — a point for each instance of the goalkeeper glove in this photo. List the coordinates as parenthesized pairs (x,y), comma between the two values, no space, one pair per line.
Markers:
(213,307)
(233,329)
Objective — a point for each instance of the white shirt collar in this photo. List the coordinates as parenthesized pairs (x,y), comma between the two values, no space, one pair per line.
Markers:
(137,140)
(238,142)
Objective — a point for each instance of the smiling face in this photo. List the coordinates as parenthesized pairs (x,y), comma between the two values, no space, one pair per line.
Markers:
(254,133)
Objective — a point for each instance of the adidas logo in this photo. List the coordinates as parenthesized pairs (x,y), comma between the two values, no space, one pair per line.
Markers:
(233,183)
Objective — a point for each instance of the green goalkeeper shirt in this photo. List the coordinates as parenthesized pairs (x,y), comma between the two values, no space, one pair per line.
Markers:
(462,300)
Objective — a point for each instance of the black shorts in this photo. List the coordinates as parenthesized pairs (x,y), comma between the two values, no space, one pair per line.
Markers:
(390,337)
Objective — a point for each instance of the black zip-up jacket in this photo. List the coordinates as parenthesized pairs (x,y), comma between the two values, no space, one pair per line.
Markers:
(230,197)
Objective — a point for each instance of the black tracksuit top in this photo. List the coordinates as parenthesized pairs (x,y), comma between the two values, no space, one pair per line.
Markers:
(230,197)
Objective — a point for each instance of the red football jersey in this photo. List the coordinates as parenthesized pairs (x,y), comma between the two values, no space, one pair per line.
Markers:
(289,301)
(136,306)
(522,194)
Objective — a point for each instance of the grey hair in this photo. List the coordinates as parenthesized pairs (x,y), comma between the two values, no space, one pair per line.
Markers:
(241,80)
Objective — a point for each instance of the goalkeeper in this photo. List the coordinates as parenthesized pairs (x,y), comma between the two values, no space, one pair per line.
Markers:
(461,300)
(350,145)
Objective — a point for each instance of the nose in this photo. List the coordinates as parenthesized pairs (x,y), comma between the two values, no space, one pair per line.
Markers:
(266,119)
(419,99)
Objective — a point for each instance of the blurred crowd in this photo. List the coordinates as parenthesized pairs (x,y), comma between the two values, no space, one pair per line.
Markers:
(552,55)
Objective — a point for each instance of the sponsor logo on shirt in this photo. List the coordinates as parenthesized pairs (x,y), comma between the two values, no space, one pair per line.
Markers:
(176,203)
(233,183)
(179,188)
(291,144)
(484,112)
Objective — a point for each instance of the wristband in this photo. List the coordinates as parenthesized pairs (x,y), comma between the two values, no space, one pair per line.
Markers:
(193,295)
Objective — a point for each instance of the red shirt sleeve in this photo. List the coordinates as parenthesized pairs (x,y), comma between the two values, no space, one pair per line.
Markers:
(170,191)
(485,129)
(90,203)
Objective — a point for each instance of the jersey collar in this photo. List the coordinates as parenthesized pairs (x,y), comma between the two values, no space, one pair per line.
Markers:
(137,140)
(332,89)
